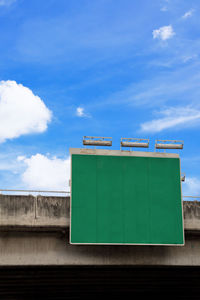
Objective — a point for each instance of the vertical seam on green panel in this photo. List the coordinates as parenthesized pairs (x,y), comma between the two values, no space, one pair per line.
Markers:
(122,201)
(182,217)
(96,198)
(177,204)
(70,224)
(149,201)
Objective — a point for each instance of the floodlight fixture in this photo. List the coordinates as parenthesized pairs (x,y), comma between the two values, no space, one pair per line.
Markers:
(134,143)
(168,144)
(97,141)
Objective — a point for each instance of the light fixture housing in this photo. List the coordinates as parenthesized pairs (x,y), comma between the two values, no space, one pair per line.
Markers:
(134,143)
(169,144)
(97,141)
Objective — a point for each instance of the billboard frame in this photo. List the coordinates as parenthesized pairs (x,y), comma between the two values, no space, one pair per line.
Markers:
(84,151)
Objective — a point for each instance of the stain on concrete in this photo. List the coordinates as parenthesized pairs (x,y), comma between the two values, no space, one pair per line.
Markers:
(11,205)
(52,207)
(191,209)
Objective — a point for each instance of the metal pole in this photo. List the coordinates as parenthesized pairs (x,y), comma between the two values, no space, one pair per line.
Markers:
(35,191)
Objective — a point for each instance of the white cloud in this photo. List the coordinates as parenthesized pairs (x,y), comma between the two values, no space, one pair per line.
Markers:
(188,14)
(164,33)
(46,173)
(6,2)
(80,112)
(164,8)
(21,112)
(8,162)
(21,158)
(191,186)
(172,117)
(187,58)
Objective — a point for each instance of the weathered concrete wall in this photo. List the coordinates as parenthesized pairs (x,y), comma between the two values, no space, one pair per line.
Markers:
(32,212)
(28,237)
(191,211)
(53,248)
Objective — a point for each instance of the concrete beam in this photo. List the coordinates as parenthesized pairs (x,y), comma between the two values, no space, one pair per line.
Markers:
(53,248)
(22,242)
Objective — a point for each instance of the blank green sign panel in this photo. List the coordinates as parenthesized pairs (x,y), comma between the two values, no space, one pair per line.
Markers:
(126,200)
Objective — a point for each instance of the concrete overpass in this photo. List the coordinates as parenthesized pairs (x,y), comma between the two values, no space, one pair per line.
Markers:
(34,247)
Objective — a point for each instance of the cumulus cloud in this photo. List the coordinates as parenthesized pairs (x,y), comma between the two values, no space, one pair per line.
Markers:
(188,14)
(21,112)
(80,112)
(191,186)
(43,172)
(163,33)
(172,117)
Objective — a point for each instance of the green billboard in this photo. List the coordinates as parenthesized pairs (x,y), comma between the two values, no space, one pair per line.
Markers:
(122,197)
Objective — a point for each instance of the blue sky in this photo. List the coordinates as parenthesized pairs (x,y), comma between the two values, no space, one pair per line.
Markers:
(103,68)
